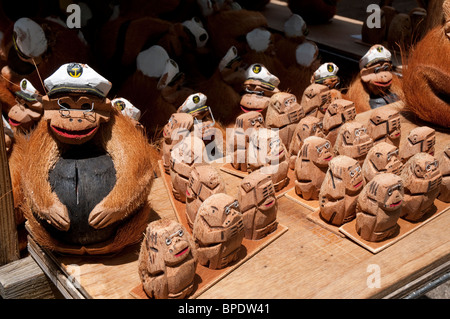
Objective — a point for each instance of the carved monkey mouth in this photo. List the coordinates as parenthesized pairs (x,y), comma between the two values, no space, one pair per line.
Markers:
(383,84)
(357,185)
(13,122)
(246,109)
(395,204)
(328,158)
(270,204)
(182,252)
(74,134)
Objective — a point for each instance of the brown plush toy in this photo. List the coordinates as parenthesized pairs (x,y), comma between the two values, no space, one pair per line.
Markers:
(269,155)
(87,171)
(340,189)
(339,112)
(311,166)
(259,206)
(177,128)
(420,139)
(36,43)
(379,207)
(204,181)
(384,126)
(382,158)
(422,180)
(184,156)
(239,138)
(308,126)
(426,78)
(444,166)
(167,260)
(283,113)
(218,231)
(353,141)
(375,85)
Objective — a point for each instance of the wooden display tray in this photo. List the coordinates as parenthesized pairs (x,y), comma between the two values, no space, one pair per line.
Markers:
(312,204)
(228,168)
(406,228)
(205,277)
(316,219)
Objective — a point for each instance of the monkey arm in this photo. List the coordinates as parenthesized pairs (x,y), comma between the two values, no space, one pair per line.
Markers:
(40,156)
(133,160)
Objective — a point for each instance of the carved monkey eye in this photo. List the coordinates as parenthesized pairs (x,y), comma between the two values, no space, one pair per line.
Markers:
(180,233)
(168,241)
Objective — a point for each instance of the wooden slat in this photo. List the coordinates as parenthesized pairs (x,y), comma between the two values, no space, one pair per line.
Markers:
(24,279)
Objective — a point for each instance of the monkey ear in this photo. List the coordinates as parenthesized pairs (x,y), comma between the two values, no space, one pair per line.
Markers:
(155,261)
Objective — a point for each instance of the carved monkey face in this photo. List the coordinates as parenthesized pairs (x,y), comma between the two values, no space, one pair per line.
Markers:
(171,241)
(391,196)
(220,211)
(377,78)
(320,151)
(76,118)
(177,121)
(384,157)
(24,114)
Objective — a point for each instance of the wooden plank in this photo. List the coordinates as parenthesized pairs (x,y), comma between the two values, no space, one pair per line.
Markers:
(9,241)
(24,279)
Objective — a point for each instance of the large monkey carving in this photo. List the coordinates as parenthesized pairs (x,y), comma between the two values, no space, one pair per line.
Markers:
(87,171)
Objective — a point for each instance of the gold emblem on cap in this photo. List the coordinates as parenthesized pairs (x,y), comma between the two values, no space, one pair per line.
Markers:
(196,99)
(256,68)
(330,68)
(74,70)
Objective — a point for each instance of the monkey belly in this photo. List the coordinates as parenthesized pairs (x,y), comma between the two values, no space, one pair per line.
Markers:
(81,180)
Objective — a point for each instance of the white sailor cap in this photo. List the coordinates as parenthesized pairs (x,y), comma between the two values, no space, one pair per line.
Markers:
(27,91)
(194,103)
(152,61)
(77,78)
(126,108)
(196,31)
(258,39)
(326,70)
(230,57)
(258,71)
(375,54)
(29,38)
(295,26)
(170,74)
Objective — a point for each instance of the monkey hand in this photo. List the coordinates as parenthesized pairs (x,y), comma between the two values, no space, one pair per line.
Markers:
(57,216)
(102,216)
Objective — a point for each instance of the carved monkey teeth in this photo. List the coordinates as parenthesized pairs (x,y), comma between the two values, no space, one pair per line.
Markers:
(182,252)
(74,134)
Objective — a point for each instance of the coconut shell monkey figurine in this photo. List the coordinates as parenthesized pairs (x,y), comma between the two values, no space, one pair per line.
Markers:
(239,139)
(259,87)
(382,158)
(283,113)
(218,231)
(422,181)
(184,156)
(384,126)
(376,79)
(259,206)
(167,260)
(87,172)
(353,141)
(339,112)
(311,166)
(340,189)
(28,110)
(420,139)
(177,128)
(444,166)
(379,207)
(204,181)
(205,126)
(268,154)
(308,126)
(322,90)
